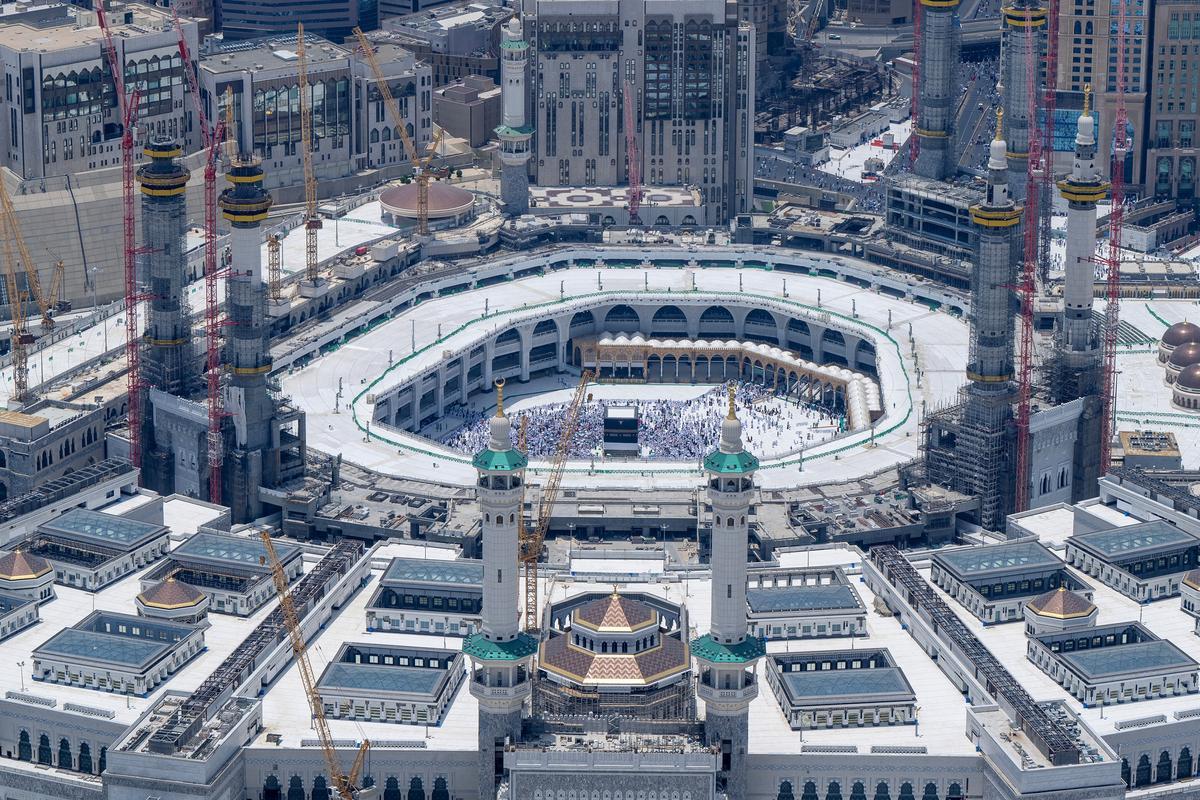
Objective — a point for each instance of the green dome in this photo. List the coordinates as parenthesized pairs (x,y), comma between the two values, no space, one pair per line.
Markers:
(500,460)
(730,463)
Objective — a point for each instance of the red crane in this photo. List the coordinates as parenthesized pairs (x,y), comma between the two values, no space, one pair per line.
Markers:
(1112,316)
(127,105)
(211,142)
(632,158)
(1049,104)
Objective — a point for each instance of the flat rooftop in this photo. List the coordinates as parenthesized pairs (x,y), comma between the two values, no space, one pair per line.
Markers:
(243,552)
(79,28)
(802,598)
(1140,658)
(443,573)
(85,526)
(1134,540)
(977,563)
(278,52)
(847,685)
(122,639)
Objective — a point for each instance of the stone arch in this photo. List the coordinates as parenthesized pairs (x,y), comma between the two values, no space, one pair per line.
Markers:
(785,791)
(509,336)
(391,789)
(442,792)
(906,791)
(668,321)
(1183,768)
(858,791)
(662,221)
(45,754)
(622,319)
(582,318)
(103,760)
(65,761)
(24,747)
(930,792)
(716,321)
(271,789)
(1163,772)
(416,789)
(955,792)
(810,791)
(295,788)
(544,327)
(834,791)
(85,758)
(320,790)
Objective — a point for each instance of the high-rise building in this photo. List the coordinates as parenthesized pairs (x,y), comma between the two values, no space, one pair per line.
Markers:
(879,12)
(333,19)
(690,66)
(726,655)
(1172,151)
(501,654)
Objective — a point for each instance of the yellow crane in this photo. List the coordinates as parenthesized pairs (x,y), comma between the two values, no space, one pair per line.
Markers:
(31,273)
(274,267)
(531,541)
(343,782)
(312,223)
(421,173)
(20,338)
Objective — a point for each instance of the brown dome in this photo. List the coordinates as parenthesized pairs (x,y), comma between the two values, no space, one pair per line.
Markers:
(1185,355)
(1192,578)
(21,566)
(1189,378)
(614,614)
(1061,604)
(170,594)
(444,201)
(1180,333)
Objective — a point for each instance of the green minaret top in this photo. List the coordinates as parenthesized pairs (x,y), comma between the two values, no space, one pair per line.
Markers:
(731,457)
(500,455)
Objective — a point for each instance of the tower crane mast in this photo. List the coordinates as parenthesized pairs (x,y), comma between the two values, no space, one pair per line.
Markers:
(312,222)
(20,338)
(530,546)
(633,158)
(343,782)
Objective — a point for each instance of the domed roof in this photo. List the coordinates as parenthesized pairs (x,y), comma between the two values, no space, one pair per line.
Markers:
(1181,332)
(1061,603)
(1189,378)
(19,566)
(444,200)
(171,594)
(1192,579)
(614,614)
(1185,355)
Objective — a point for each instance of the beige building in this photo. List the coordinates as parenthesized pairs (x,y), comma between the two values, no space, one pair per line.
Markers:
(468,109)
(1171,147)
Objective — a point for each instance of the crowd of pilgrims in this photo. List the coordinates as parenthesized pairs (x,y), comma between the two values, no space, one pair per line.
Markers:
(669,430)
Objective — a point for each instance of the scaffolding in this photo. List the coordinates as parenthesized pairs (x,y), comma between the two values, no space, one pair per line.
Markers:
(561,703)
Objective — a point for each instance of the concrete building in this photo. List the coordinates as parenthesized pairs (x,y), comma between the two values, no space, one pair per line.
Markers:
(333,19)
(934,126)
(47,440)
(468,109)
(456,40)
(515,131)
(880,12)
(1172,147)
(1024,21)
(693,108)
(57,115)
(351,128)
(970,447)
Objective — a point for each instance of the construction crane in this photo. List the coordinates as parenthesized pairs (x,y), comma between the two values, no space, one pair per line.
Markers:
(1049,105)
(19,338)
(531,541)
(914,141)
(343,782)
(1112,312)
(632,158)
(31,274)
(274,268)
(421,173)
(127,105)
(58,287)
(312,222)
(211,141)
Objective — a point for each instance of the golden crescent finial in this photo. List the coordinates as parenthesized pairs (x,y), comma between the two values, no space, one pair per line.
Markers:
(500,397)
(732,391)
(1087,99)
(999,124)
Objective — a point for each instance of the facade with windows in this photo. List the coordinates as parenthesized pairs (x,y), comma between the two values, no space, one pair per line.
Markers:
(1172,151)
(351,128)
(59,112)
(691,70)
(423,596)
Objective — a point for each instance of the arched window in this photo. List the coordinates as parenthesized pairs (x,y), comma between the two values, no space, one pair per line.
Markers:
(85,758)
(320,790)
(64,754)
(271,789)
(1078,28)
(834,792)
(1088,29)
(440,791)
(374,136)
(295,788)
(24,747)
(1163,773)
(858,791)
(930,792)
(103,759)
(1125,774)
(1183,769)
(1143,772)
(391,790)
(45,754)
(785,791)
(881,791)
(1062,478)
(906,791)
(416,790)
(955,792)
(810,791)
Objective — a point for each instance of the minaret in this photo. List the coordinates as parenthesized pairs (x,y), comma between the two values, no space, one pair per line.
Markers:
(169,364)
(514,132)
(1023,21)
(501,654)
(726,655)
(247,465)
(991,391)
(1082,190)
(937,92)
